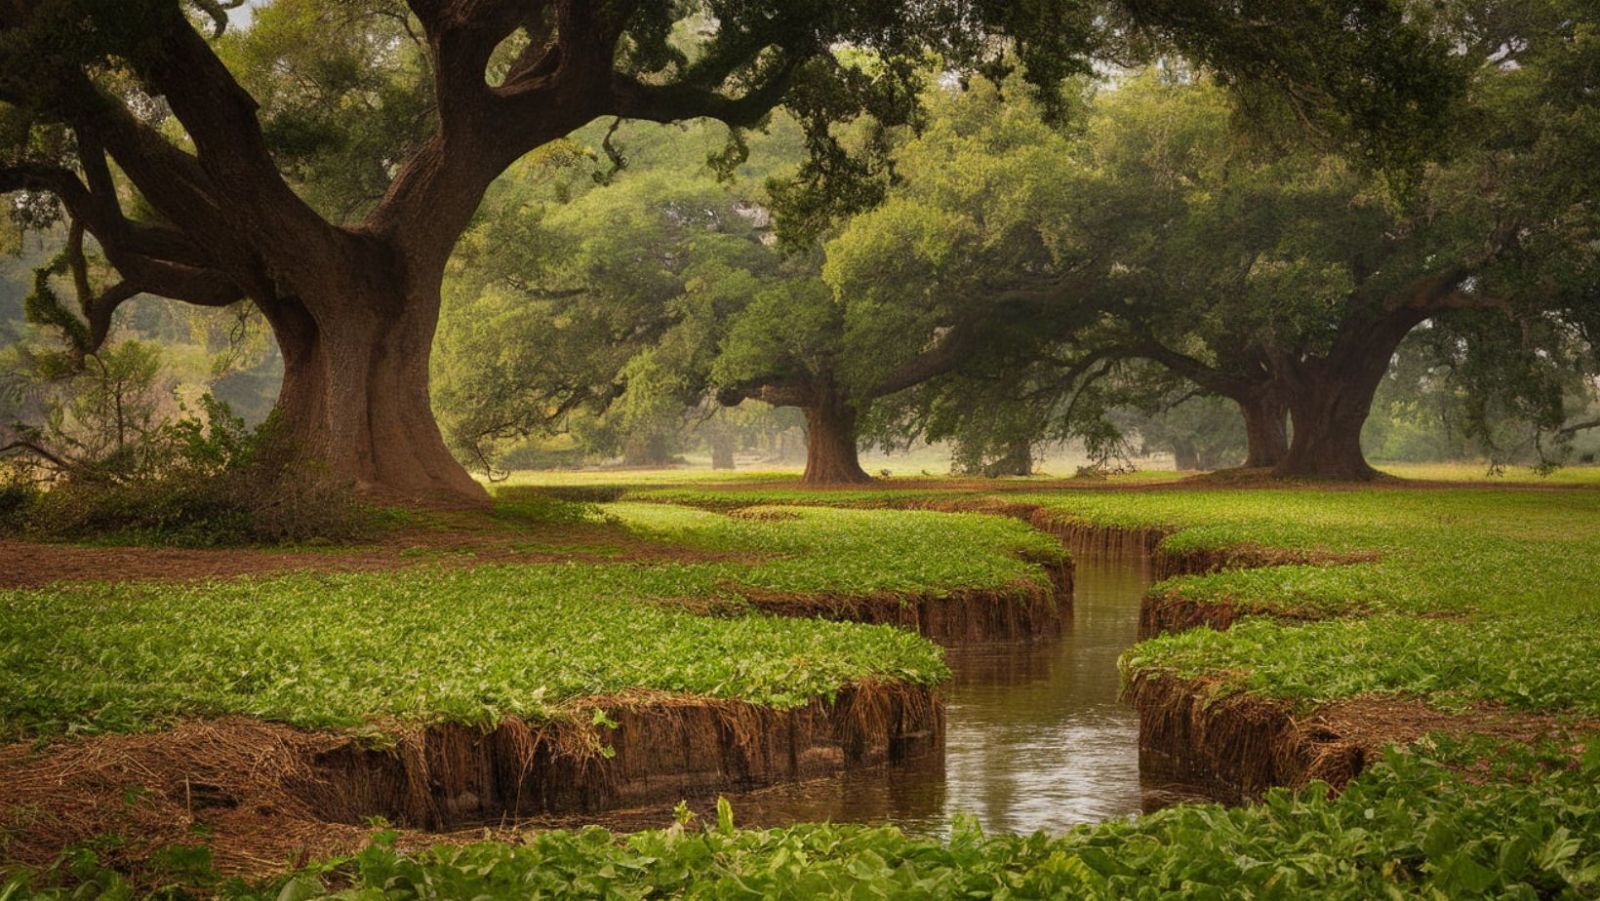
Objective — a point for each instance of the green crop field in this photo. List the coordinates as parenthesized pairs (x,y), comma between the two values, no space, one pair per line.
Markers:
(1508,582)
(425,644)
(1456,596)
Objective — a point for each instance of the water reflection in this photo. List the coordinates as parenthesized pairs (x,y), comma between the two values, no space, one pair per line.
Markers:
(1036,736)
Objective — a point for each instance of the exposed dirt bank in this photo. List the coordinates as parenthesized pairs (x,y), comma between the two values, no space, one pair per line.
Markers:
(1244,744)
(1025,611)
(1163,611)
(263,794)
(1241,744)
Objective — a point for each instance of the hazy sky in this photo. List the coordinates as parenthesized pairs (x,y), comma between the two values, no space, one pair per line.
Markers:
(241,17)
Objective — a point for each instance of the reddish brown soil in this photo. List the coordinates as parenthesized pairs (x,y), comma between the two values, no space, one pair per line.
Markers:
(262,795)
(459,540)
(1022,612)
(1245,744)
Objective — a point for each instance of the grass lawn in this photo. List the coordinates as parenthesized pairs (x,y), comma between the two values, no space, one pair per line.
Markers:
(1584,474)
(1474,595)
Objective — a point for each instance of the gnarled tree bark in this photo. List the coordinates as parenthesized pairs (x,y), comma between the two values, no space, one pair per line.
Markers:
(1016,461)
(1330,394)
(832,455)
(1265,427)
(832,452)
(1244,377)
(1329,406)
(354,402)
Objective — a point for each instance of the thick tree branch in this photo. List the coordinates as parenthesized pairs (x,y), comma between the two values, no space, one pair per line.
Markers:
(1580,426)
(1212,379)
(152,259)
(59,462)
(776,393)
(219,115)
(946,352)
(140,275)
(633,99)
(1070,374)
(56,180)
(462,36)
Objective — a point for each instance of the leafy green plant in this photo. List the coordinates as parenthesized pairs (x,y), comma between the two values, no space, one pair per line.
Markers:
(1413,826)
(473,645)
(1471,595)
(213,482)
(531,506)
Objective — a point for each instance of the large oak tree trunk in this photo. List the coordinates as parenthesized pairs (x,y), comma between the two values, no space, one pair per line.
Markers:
(831,452)
(1016,461)
(647,449)
(721,451)
(1184,457)
(1331,396)
(355,402)
(1328,416)
(1265,429)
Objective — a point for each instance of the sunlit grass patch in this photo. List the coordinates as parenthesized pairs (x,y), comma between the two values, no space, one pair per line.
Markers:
(1480,472)
(817,549)
(1544,662)
(416,645)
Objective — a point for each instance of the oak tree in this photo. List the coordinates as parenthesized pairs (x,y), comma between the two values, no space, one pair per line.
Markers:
(155,145)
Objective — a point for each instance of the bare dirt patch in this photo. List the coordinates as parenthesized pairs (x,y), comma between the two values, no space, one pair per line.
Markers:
(1025,611)
(264,796)
(1244,744)
(458,540)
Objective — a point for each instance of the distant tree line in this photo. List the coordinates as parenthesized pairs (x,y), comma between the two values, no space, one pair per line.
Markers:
(994,224)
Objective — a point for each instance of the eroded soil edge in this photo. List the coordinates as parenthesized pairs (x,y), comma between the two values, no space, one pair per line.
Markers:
(1240,744)
(264,794)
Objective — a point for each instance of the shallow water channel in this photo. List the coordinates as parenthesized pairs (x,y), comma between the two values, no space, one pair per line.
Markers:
(1036,737)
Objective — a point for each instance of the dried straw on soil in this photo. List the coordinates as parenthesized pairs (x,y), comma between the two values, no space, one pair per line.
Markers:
(460,542)
(1245,744)
(265,795)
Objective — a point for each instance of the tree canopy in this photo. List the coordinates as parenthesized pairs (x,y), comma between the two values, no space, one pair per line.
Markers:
(1284,276)
(323,164)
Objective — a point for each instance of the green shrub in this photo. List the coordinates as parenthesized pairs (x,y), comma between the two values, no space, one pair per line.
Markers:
(16,497)
(1526,825)
(218,483)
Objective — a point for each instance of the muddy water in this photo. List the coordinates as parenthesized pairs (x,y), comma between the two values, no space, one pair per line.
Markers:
(1036,736)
